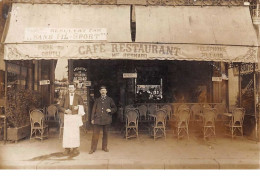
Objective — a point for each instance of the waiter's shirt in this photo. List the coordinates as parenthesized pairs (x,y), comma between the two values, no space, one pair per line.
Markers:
(71,98)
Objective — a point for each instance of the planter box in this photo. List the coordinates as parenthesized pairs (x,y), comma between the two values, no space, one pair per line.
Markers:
(15,134)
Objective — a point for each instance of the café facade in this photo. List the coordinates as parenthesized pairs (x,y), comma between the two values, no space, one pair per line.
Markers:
(174,52)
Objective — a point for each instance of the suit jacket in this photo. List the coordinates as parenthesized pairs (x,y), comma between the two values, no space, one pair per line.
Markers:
(99,113)
(65,104)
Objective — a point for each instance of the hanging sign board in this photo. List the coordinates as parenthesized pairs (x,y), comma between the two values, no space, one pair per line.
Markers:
(216,79)
(129,75)
(44,82)
(87,83)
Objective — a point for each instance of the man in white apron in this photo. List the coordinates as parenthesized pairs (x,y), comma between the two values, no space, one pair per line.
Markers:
(72,107)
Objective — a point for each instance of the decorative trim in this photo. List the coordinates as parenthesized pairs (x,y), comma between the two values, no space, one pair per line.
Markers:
(147,2)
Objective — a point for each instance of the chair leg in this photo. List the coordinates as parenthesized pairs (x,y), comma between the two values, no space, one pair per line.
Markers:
(232,132)
(188,133)
(154,133)
(164,133)
(31,134)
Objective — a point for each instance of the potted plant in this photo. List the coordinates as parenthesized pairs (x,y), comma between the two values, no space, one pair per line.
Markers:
(19,103)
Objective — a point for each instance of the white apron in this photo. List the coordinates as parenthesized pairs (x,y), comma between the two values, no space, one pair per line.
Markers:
(71,134)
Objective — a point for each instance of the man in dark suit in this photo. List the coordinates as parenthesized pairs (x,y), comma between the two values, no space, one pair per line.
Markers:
(69,106)
(101,117)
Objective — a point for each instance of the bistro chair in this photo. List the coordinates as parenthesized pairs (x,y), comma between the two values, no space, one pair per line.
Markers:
(221,109)
(38,127)
(182,123)
(131,129)
(195,113)
(152,111)
(52,113)
(168,110)
(209,117)
(142,111)
(159,126)
(235,126)
(182,106)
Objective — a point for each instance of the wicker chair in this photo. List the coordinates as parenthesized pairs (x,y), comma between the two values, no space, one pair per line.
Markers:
(52,112)
(182,123)
(159,125)
(131,129)
(195,110)
(235,126)
(168,109)
(38,127)
(209,117)
(143,112)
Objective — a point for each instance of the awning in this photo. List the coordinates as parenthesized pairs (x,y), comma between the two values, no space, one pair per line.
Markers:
(53,31)
(39,31)
(213,33)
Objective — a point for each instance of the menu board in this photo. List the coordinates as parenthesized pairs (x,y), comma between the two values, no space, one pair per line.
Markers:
(80,77)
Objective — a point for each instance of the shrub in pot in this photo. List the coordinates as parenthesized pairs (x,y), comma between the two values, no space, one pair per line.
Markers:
(19,103)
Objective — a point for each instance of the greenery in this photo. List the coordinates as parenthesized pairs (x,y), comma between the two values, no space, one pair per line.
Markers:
(19,103)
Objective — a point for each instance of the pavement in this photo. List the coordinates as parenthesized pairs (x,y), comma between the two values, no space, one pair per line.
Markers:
(143,153)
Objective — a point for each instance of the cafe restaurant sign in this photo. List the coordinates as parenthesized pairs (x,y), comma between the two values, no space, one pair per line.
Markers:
(134,51)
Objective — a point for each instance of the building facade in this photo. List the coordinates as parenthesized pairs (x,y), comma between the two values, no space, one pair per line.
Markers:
(147,51)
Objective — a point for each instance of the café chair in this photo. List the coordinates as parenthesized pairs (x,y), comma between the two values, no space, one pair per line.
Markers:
(220,108)
(143,112)
(235,126)
(195,113)
(168,110)
(159,125)
(131,129)
(52,112)
(38,127)
(182,123)
(182,106)
(209,117)
(152,111)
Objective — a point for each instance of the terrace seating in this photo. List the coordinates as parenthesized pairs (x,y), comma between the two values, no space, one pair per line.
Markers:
(182,123)
(195,110)
(158,128)
(235,126)
(38,127)
(131,129)
(209,117)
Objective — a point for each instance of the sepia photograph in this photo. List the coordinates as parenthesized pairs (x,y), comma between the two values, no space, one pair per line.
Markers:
(112,85)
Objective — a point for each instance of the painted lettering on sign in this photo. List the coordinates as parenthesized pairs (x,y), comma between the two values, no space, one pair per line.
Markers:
(91,48)
(212,52)
(63,34)
(145,49)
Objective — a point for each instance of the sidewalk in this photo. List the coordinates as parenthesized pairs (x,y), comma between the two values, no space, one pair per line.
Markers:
(142,153)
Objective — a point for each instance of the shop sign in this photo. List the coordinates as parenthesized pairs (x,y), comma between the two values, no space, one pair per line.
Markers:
(87,83)
(44,82)
(65,34)
(216,79)
(129,75)
(135,51)
(246,68)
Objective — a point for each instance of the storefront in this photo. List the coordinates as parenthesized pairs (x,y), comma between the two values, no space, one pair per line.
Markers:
(161,54)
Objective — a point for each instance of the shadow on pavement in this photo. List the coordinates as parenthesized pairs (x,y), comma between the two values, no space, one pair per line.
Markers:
(54,156)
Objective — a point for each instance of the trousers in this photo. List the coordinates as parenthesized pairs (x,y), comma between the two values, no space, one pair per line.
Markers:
(95,136)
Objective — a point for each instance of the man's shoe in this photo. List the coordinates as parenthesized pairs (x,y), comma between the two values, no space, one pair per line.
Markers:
(106,150)
(67,151)
(91,151)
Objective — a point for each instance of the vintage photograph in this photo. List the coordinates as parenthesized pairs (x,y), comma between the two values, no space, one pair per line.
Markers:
(129,84)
